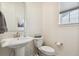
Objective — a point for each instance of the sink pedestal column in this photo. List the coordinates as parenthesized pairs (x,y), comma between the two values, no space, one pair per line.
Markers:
(20,51)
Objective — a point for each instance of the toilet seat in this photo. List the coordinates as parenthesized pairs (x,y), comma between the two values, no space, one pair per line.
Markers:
(47,50)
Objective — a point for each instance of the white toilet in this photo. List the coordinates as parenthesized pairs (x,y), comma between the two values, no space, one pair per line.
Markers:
(43,50)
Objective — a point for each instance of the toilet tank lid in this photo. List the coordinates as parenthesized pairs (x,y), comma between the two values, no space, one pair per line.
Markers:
(38,38)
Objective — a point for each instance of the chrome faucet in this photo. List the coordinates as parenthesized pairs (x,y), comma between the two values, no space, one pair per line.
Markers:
(17,34)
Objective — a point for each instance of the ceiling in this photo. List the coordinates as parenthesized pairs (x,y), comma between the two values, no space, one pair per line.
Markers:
(68,5)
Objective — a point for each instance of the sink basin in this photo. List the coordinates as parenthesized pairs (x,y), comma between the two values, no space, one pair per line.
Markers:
(15,42)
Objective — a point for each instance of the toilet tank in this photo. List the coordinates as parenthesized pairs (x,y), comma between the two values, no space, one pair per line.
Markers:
(38,42)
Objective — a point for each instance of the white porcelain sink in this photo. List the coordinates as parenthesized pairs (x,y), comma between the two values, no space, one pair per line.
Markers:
(15,42)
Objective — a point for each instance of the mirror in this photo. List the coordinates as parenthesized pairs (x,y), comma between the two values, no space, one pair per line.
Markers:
(14,15)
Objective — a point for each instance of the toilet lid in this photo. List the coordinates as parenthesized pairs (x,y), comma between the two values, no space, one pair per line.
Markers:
(47,50)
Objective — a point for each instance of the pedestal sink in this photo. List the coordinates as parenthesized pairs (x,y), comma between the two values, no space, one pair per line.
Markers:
(16,43)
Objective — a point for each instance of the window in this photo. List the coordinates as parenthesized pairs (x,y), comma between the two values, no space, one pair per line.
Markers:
(70,17)
(64,18)
(74,16)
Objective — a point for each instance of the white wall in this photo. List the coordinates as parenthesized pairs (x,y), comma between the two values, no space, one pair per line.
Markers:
(33,18)
(53,32)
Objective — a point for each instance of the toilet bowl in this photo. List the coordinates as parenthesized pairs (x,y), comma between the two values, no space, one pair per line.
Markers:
(43,50)
(46,50)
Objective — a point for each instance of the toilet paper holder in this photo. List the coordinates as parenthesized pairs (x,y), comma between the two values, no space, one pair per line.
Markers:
(58,44)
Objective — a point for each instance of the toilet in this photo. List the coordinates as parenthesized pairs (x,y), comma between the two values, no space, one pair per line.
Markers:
(43,50)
